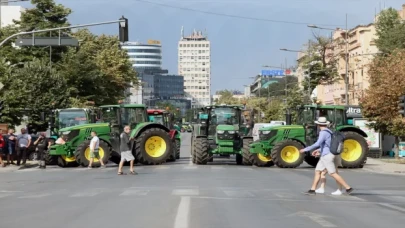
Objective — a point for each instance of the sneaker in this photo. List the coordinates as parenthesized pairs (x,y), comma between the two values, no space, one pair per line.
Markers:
(89,167)
(337,193)
(103,166)
(310,192)
(349,191)
(320,190)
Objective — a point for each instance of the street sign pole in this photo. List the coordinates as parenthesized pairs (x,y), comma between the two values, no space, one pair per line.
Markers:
(61,28)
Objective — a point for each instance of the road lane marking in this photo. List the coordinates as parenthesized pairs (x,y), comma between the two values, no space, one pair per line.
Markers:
(216,167)
(186,192)
(231,193)
(388,205)
(88,193)
(182,216)
(34,196)
(133,192)
(162,167)
(315,217)
(190,167)
(248,169)
(4,195)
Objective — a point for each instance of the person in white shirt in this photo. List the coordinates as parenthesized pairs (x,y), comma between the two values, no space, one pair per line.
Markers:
(23,143)
(94,148)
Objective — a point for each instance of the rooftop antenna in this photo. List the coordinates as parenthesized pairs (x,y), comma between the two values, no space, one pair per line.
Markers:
(182,32)
(206,34)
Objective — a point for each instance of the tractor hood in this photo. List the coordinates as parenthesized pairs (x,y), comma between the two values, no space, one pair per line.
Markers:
(84,126)
(228,127)
(282,127)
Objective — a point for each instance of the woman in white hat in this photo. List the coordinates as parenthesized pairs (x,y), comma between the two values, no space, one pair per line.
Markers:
(327,159)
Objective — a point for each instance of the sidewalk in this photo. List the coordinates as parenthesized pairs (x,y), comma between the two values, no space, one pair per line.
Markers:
(12,168)
(386,166)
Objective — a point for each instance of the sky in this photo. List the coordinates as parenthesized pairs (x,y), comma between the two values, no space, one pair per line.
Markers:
(242,42)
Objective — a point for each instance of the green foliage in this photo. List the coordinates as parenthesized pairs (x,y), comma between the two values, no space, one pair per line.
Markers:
(380,103)
(319,63)
(99,70)
(278,88)
(227,98)
(390,31)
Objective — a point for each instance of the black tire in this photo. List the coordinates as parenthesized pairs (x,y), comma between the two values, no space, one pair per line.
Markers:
(276,154)
(172,156)
(239,159)
(64,164)
(140,147)
(247,157)
(311,160)
(211,158)
(362,158)
(259,162)
(33,156)
(178,146)
(201,151)
(80,154)
(50,159)
(192,150)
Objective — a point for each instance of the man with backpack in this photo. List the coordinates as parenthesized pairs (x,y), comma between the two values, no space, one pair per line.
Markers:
(330,144)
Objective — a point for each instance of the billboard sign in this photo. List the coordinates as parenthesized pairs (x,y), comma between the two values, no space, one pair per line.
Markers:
(272,72)
(153,42)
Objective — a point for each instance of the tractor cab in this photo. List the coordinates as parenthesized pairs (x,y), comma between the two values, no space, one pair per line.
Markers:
(222,120)
(159,116)
(307,114)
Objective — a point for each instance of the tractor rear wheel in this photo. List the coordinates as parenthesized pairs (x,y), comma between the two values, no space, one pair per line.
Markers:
(201,151)
(172,156)
(82,154)
(50,159)
(65,162)
(286,154)
(262,161)
(355,150)
(247,157)
(178,146)
(311,160)
(153,146)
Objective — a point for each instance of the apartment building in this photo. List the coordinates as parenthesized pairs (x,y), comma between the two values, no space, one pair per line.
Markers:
(194,63)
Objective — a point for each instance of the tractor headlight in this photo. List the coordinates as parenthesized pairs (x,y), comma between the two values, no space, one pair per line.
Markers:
(231,132)
(220,132)
(265,132)
(65,132)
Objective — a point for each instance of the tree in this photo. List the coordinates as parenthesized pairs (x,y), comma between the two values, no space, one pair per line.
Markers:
(390,31)
(380,103)
(320,63)
(99,71)
(226,97)
(32,89)
(278,88)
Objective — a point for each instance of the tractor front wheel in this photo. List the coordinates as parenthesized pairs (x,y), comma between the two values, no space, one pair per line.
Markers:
(65,162)
(247,157)
(82,154)
(262,161)
(286,154)
(172,156)
(153,146)
(178,146)
(201,151)
(355,150)
(50,159)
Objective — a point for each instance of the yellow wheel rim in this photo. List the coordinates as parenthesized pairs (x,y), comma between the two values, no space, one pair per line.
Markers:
(264,158)
(100,153)
(352,150)
(155,146)
(68,159)
(290,154)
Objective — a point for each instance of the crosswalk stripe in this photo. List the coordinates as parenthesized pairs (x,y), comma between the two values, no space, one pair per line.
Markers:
(2,195)
(134,192)
(231,193)
(89,193)
(248,169)
(190,167)
(186,192)
(393,207)
(216,167)
(162,167)
(34,196)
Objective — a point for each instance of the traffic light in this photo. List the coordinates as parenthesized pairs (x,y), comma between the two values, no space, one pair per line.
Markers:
(1,107)
(123,29)
(401,105)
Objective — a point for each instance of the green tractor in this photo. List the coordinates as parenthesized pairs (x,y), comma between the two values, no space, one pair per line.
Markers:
(280,145)
(219,132)
(152,144)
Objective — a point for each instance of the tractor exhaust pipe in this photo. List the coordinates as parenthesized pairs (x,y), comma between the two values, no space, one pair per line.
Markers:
(288,119)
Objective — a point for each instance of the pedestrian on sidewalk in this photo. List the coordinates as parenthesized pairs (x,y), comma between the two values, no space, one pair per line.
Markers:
(94,149)
(2,150)
(42,144)
(126,151)
(11,145)
(326,160)
(321,189)
(23,143)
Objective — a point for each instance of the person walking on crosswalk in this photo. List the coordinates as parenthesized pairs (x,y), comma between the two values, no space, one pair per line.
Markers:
(94,148)
(126,151)
(321,189)
(326,161)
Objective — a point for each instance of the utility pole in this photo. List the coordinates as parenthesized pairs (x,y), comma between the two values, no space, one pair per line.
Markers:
(309,71)
(285,81)
(347,66)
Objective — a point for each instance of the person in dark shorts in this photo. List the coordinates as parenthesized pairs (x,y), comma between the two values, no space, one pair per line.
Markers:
(126,151)
(11,145)
(42,144)
(23,143)
(94,150)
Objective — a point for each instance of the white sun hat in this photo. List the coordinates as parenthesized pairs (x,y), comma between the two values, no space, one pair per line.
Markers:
(322,121)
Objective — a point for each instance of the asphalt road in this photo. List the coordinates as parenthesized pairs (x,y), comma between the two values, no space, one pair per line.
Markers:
(183,195)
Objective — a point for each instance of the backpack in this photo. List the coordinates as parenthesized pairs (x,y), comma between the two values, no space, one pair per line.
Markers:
(336,143)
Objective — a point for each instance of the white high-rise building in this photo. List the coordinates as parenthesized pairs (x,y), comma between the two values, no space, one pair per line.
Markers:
(194,63)
(9,13)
